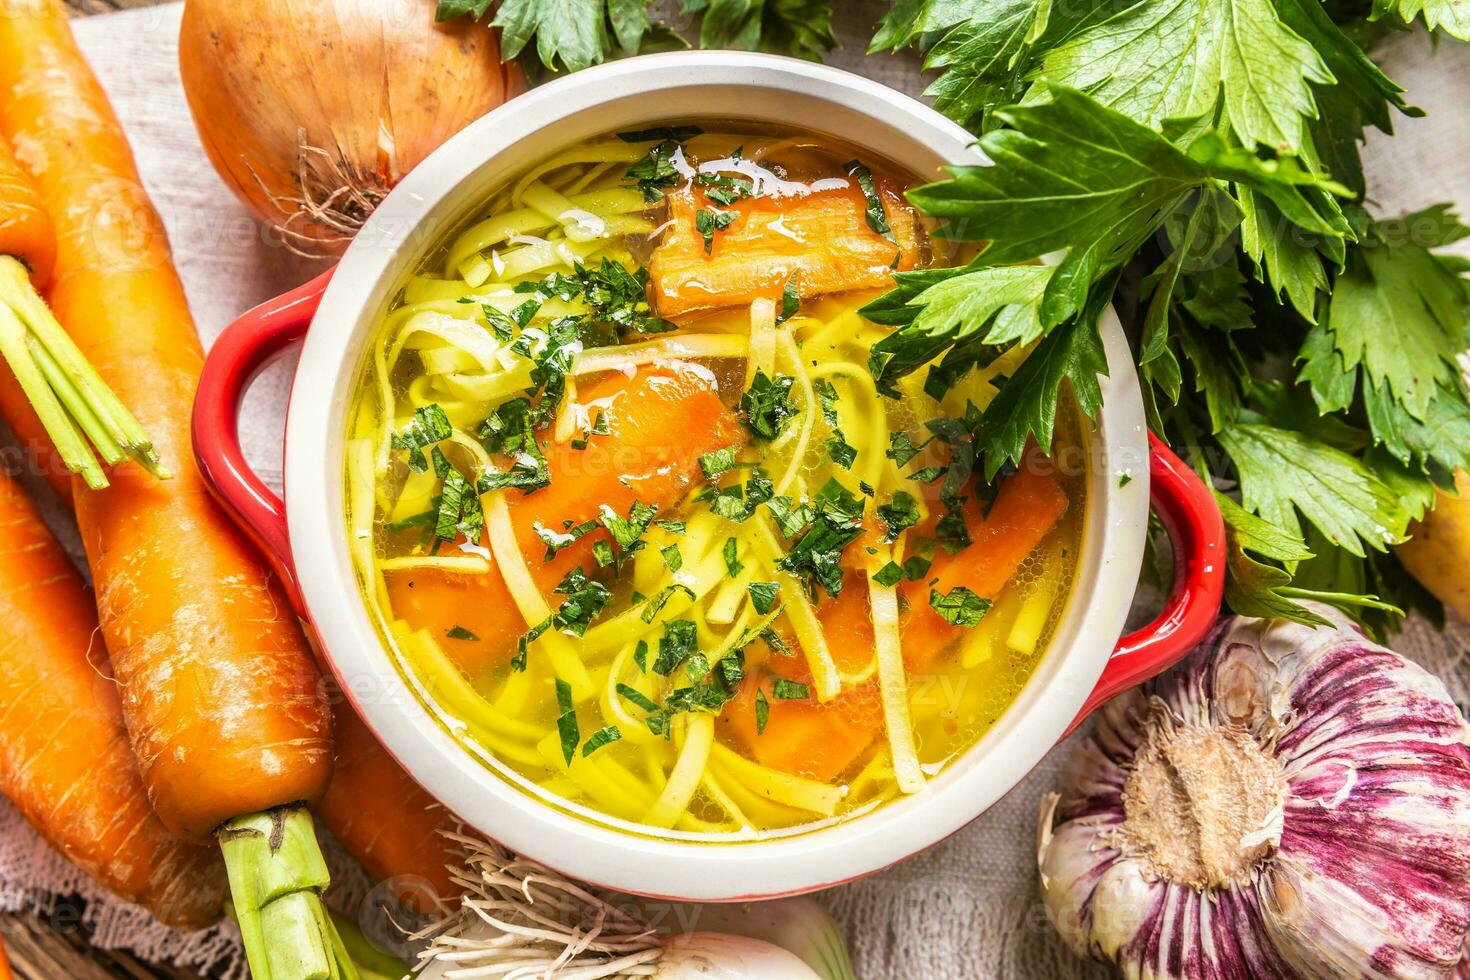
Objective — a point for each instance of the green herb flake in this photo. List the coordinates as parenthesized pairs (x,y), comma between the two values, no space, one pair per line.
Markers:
(762,712)
(566,720)
(959,607)
(673,560)
(876,216)
(784,690)
(457,632)
(678,644)
(672,527)
(767,407)
(899,514)
(428,425)
(637,697)
(889,575)
(719,461)
(1124,480)
(763,595)
(731,553)
(599,738)
(708,222)
(790,299)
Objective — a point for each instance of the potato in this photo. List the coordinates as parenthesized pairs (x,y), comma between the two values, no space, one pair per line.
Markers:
(1438,552)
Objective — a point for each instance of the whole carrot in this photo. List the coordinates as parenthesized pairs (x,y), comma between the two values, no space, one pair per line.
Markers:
(221,696)
(64,756)
(385,820)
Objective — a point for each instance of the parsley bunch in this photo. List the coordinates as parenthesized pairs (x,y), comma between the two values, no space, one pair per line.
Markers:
(1197,166)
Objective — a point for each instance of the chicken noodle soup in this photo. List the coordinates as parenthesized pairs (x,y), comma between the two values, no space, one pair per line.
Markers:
(640,527)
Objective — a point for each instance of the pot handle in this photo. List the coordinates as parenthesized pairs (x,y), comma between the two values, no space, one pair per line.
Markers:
(1196,530)
(244,349)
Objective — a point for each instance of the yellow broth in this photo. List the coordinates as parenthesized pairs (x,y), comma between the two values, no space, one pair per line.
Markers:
(717,666)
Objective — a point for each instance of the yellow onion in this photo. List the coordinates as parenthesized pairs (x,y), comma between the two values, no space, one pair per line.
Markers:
(311,110)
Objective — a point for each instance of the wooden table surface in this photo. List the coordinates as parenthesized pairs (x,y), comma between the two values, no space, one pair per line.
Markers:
(48,947)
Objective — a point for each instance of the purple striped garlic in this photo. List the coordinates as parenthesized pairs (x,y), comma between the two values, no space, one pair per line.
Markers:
(1288,802)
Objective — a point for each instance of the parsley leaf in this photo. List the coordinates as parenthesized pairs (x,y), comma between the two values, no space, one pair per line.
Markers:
(707,222)
(876,217)
(599,738)
(800,28)
(784,690)
(1282,472)
(566,720)
(837,521)
(763,595)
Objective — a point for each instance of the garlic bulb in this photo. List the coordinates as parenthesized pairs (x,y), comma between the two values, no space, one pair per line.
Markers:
(1287,803)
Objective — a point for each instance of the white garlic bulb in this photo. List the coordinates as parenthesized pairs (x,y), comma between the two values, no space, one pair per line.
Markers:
(1287,803)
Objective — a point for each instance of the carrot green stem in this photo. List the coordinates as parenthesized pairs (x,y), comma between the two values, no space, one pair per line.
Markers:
(277,877)
(86,399)
(69,440)
(372,963)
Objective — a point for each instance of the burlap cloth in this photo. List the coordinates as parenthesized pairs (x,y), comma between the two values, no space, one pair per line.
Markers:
(966,908)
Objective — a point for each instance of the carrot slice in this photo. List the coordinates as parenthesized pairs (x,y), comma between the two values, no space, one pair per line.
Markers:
(1027,506)
(822,239)
(819,740)
(659,422)
(64,756)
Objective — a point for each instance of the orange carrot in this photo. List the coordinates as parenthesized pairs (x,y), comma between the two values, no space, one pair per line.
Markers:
(220,692)
(822,739)
(385,820)
(25,227)
(822,240)
(64,756)
(659,422)
(26,232)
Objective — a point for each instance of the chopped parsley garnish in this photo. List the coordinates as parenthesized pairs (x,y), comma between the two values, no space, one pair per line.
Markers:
(1124,480)
(916,567)
(731,554)
(838,449)
(661,599)
(511,430)
(628,531)
(457,632)
(762,712)
(557,540)
(763,595)
(784,690)
(673,527)
(790,516)
(673,560)
(676,133)
(928,474)
(952,533)
(817,555)
(599,738)
(500,322)
(458,511)
(597,428)
(790,299)
(640,655)
(637,697)
(723,189)
(876,216)
(585,598)
(717,462)
(566,720)
(678,644)
(654,172)
(899,514)
(901,448)
(767,406)
(602,553)
(428,426)
(736,502)
(889,575)
(708,222)
(959,607)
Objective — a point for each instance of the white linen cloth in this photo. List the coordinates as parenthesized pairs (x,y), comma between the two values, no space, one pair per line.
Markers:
(966,908)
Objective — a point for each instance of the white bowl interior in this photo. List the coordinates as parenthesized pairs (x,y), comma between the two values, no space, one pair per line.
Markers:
(432,201)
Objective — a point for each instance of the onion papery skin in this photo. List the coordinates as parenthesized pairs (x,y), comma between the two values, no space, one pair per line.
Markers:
(1367,864)
(311,110)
